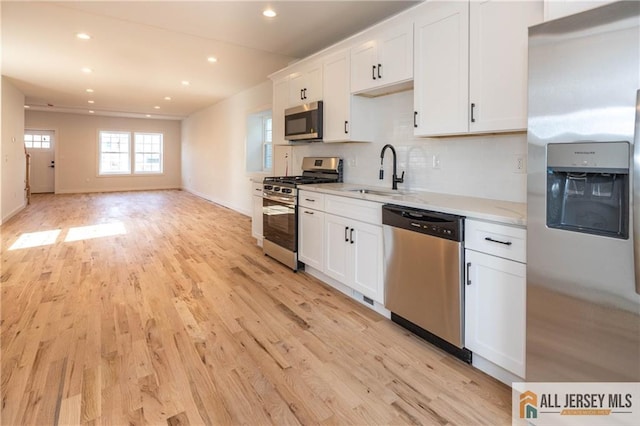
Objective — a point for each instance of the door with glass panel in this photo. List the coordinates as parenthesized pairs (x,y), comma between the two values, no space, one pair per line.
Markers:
(40,145)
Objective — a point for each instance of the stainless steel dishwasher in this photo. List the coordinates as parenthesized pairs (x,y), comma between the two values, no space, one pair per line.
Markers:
(424,289)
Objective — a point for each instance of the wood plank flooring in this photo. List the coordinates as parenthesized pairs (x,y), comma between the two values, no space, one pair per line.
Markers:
(158,308)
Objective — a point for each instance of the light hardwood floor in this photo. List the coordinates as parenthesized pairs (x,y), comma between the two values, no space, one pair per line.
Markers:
(158,308)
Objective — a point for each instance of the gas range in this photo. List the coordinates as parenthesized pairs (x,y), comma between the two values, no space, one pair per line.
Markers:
(280,206)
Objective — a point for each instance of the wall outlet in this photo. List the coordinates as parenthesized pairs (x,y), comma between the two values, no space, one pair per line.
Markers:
(519,164)
(436,161)
(352,162)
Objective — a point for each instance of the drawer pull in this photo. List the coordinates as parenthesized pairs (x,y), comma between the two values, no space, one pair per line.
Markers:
(506,243)
(310,200)
(308,212)
(468,273)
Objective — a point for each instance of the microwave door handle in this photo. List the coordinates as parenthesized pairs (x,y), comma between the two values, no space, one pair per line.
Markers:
(636,195)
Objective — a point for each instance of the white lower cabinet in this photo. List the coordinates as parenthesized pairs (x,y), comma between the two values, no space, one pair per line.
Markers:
(341,237)
(256,220)
(353,255)
(311,237)
(495,300)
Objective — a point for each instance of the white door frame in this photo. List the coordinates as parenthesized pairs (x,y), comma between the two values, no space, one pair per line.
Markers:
(55,149)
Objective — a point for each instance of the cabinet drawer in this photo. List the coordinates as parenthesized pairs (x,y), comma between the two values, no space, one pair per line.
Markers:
(256,189)
(312,200)
(362,210)
(504,241)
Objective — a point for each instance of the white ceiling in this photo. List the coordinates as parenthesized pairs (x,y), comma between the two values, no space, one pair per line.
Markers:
(141,51)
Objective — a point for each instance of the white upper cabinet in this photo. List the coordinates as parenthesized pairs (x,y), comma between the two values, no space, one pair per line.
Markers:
(554,9)
(305,85)
(346,117)
(386,59)
(471,66)
(441,83)
(498,63)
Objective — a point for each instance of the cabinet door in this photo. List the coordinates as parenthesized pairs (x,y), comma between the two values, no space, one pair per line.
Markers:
(495,310)
(313,84)
(311,238)
(256,221)
(441,75)
(366,243)
(305,85)
(395,55)
(363,59)
(337,248)
(297,83)
(336,98)
(498,63)
(280,103)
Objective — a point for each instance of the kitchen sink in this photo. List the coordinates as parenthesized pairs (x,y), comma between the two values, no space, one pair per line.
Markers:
(381,192)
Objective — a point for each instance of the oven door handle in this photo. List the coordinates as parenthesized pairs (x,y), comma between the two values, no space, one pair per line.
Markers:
(284,200)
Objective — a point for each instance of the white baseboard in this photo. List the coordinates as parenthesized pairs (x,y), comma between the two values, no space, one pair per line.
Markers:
(223,203)
(13,213)
(126,189)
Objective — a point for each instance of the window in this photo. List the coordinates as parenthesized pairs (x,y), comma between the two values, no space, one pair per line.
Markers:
(267,145)
(259,145)
(115,153)
(148,153)
(37,140)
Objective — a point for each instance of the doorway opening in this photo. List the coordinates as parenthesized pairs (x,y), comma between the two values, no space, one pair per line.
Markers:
(40,145)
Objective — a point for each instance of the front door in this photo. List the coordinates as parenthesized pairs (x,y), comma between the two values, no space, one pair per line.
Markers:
(40,145)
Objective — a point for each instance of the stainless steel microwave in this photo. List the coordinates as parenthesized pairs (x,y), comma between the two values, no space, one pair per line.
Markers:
(303,122)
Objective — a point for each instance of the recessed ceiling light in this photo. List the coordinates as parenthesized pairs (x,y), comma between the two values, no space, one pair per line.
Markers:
(185,83)
(91,111)
(212,59)
(87,70)
(83,36)
(167,98)
(148,115)
(89,90)
(91,102)
(156,107)
(269,13)
(27,106)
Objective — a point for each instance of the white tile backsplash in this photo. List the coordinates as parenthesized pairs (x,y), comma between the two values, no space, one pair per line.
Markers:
(478,166)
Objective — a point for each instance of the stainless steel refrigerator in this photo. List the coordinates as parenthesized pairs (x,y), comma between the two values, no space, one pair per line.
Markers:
(583,301)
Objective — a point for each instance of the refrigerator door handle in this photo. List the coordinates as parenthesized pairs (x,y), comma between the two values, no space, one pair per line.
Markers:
(636,195)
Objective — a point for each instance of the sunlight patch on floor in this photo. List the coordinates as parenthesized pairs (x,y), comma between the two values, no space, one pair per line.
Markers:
(95,231)
(36,239)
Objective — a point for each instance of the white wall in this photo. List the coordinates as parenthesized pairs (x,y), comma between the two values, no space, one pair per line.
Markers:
(213,148)
(76,151)
(12,154)
(478,166)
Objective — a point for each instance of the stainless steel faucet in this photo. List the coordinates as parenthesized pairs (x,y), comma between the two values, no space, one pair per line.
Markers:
(395,179)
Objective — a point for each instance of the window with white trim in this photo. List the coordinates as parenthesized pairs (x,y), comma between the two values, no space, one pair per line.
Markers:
(148,153)
(115,153)
(259,142)
(118,156)
(37,139)
(267,144)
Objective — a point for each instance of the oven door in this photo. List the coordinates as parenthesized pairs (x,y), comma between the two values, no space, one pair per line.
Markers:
(280,221)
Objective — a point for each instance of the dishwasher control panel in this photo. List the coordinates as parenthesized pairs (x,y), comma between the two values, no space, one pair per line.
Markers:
(428,222)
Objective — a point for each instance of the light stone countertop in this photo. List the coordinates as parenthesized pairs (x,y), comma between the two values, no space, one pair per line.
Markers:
(505,212)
